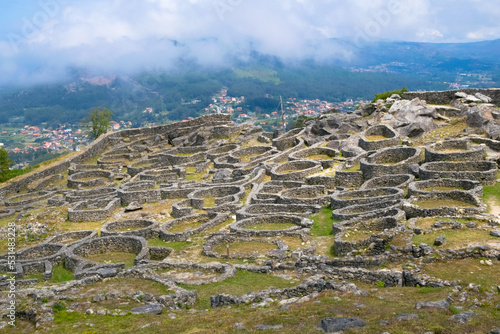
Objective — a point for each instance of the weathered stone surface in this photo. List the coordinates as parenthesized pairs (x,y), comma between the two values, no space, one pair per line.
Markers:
(268,327)
(333,325)
(495,233)
(134,206)
(407,316)
(439,241)
(441,304)
(463,317)
(148,309)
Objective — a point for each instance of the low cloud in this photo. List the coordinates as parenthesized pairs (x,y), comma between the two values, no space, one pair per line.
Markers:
(42,41)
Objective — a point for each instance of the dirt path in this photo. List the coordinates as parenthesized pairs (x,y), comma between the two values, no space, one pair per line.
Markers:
(494,206)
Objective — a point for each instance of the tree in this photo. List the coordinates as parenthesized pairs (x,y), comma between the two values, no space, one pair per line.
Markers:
(5,162)
(99,121)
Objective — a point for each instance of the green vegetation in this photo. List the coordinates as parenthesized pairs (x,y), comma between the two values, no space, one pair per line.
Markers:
(246,247)
(375,138)
(491,196)
(355,168)
(455,239)
(114,257)
(61,274)
(5,162)
(242,283)
(99,121)
(323,223)
(270,226)
(466,270)
(176,245)
(436,203)
(185,226)
(385,95)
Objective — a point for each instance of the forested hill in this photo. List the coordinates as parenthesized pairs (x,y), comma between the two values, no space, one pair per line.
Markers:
(373,68)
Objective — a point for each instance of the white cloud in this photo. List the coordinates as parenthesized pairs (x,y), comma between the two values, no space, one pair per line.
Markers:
(129,34)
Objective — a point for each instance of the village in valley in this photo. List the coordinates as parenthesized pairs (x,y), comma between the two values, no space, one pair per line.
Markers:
(292,108)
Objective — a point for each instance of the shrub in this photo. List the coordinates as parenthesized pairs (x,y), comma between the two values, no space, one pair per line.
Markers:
(59,306)
(385,95)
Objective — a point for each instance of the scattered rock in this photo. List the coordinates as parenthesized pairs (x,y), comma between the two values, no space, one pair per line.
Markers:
(483,98)
(239,325)
(150,324)
(333,325)
(134,206)
(407,316)
(441,304)
(107,272)
(441,240)
(222,174)
(495,233)
(471,224)
(267,327)
(463,317)
(148,309)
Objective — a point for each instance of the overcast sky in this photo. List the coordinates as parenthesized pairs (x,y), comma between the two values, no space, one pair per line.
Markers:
(40,39)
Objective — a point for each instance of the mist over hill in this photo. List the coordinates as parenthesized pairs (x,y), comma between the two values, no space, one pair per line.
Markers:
(365,70)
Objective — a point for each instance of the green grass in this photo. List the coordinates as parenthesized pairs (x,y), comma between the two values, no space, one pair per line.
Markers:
(466,270)
(442,189)
(37,276)
(455,239)
(183,227)
(270,226)
(246,247)
(355,168)
(61,274)
(376,138)
(241,284)
(491,194)
(436,203)
(302,318)
(351,235)
(114,257)
(10,174)
(176,245)
(385,95)
(128,284)
(195,177)
(323,222)
(209,202)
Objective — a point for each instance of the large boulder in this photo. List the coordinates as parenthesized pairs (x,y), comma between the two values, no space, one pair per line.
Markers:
(413,118)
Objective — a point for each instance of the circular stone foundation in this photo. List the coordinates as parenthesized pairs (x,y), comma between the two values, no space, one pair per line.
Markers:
(455,150)
(393,160)
(269,226)
(359,197)
(445,185)
(138,227)
(76,255)
(296,170)
(242,247)
(191,273)
(93,178)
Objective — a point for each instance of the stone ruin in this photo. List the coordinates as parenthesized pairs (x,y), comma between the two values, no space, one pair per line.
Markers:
(232,185)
